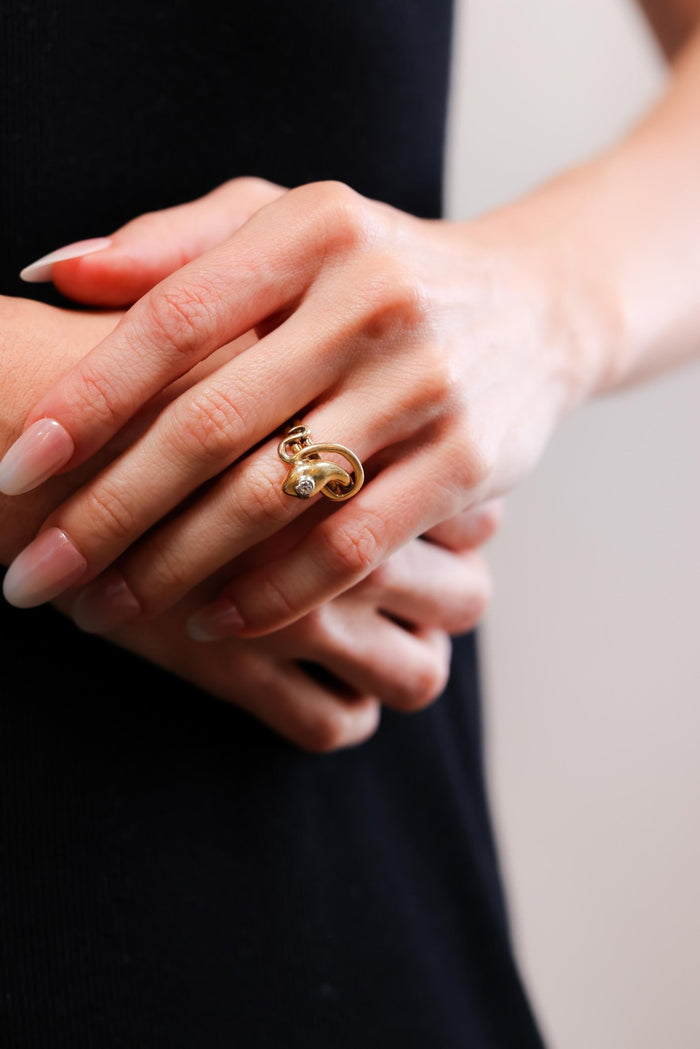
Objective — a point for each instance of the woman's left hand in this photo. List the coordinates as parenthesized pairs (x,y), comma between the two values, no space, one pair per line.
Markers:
(440,353)
(323,681)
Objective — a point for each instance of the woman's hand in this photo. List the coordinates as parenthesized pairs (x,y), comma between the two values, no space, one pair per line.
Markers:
(38,344)
(323,681)
(439,352)
(118,270)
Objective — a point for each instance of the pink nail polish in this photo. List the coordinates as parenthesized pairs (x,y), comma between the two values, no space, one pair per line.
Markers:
(40,271)
(43,570)
(215,621)
(41,450)
(105,604)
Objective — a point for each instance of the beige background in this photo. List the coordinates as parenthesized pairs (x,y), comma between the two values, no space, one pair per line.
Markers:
(591,649)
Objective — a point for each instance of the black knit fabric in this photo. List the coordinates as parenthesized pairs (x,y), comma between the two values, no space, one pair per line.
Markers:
(173,875)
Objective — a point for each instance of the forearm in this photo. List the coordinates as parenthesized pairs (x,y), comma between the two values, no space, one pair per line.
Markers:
(618,239)
(37,344)
(21,369)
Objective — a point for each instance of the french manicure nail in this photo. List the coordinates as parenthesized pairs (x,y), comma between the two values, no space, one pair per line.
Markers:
(40,271)
(105,604)
(215,621)
(43,570)
(42,449)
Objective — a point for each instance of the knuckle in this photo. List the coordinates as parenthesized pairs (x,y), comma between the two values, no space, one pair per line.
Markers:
(419,690)
(482,593)
(208,425)
(329,194)
(330,728)
(475,603)
(474,527)
(430,393)
(431,680)
(490,518)
(98,397)
(343,214)
(398,298)
(164,571)
(280,606)
(440,376)
(471,464)
(105,512)
(252,186)
(477,466)
(351,552)
(180,318)
(258,496)
(318,628)
(147,224)
(384,579)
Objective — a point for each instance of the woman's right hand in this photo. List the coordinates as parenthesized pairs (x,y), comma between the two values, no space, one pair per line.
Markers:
(384,642)
(447,391)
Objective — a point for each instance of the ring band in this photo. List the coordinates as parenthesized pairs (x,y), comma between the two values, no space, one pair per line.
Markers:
(311,474)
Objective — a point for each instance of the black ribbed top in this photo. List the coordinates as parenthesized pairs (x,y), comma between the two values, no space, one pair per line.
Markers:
(172,874)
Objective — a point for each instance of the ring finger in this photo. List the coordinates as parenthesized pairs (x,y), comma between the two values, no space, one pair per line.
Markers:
(195,438)
(245,506)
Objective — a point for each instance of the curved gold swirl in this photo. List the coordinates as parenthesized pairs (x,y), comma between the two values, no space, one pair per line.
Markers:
(310,474)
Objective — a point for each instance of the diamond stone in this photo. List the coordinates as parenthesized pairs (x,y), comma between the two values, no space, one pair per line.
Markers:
(304,487)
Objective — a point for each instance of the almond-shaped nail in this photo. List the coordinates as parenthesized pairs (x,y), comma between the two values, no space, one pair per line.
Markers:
(215,621)
(35,456)
(104,604)
(40,271)
(43,570)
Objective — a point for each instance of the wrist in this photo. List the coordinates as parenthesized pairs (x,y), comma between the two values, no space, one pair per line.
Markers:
(620,244)
(566,289)
(19,369)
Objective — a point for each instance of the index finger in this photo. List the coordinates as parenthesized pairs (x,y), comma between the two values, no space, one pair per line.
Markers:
(206,304)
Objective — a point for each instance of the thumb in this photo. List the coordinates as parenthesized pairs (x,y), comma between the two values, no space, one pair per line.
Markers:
(119,269)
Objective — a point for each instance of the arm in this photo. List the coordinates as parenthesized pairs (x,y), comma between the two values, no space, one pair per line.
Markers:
(38,344)
(447,353)
(627,241)
(319,683)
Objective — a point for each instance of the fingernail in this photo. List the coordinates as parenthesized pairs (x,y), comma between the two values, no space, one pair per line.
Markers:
(105,604)
(43,570)
(39,271)
(215,621)
(41,450)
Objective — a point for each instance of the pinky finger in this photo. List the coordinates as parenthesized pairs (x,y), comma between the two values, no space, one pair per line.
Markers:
(316,714)
(306,711)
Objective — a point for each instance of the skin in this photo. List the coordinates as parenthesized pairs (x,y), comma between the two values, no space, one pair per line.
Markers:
(388,375)
(495,329)
(320,683)
(444,353)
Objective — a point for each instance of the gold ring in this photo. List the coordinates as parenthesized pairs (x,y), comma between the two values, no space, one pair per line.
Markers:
(311,474)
